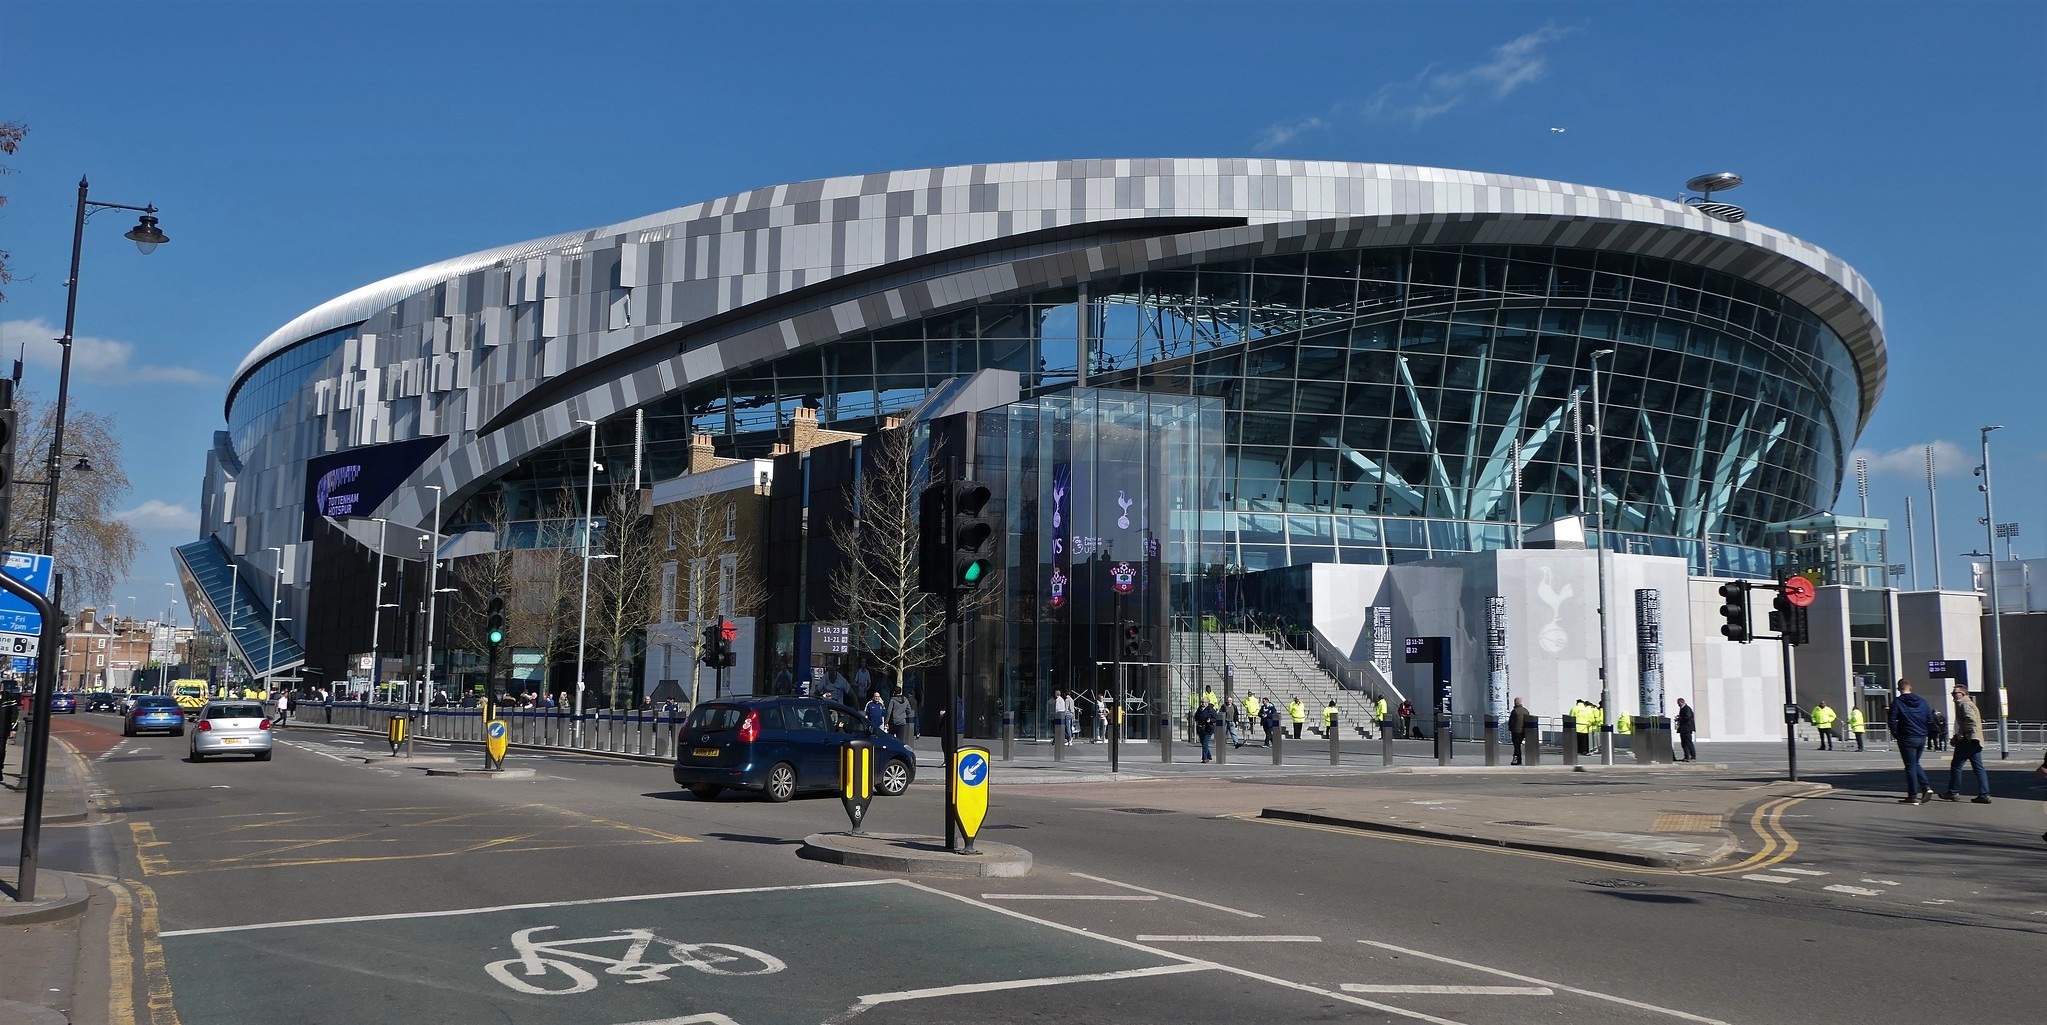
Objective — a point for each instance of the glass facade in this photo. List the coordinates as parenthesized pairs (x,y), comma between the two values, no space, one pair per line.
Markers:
(1384,405)
(252,409)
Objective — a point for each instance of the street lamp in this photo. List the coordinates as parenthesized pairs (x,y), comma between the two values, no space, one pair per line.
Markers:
(583,624)
(276,586)
(1996,612)
(433,567)
(146,236)
(377,607)
(1599,558)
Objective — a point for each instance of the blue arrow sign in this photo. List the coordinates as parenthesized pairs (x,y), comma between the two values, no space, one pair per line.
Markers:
(497,728)
(973,769)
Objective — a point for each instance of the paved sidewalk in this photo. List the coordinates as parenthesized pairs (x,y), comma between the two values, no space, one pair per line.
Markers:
(41,939)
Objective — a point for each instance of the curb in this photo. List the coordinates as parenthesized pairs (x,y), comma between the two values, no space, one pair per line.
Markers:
(916,855)
(1589,853)
(13,1012)
(69,903)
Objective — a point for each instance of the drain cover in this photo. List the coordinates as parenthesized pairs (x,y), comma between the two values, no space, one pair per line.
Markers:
(1144,811)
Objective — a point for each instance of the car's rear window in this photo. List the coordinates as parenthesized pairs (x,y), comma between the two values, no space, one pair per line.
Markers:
(155,703)
(235,712)
(716,717)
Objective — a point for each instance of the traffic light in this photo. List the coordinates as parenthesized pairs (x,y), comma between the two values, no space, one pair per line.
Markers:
(7,434)
(728,634)
(1734,609)
(494,631)
(934,543)
(972,531)
(1135,643)
(716,649)
(1791,619)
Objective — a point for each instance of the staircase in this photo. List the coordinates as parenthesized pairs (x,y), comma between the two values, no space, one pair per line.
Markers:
(1271,671)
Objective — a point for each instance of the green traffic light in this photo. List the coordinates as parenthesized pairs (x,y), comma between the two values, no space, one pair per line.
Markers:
(497,636)
(973,573)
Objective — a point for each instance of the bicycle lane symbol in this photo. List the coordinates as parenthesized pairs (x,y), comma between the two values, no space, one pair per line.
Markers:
(548,967)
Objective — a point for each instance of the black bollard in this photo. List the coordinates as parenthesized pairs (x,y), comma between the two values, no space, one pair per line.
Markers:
(1165,739)
(1385,745)
(1058,740)
(1492,742)
(1009,736)
(1278,742)
(1570,744)
(1335,734)
(1531,744)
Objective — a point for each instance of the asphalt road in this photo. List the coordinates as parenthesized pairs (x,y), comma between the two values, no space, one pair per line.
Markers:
(315,888)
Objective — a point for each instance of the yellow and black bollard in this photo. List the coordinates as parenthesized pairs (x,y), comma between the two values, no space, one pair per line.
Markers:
(396,733)
(856,779)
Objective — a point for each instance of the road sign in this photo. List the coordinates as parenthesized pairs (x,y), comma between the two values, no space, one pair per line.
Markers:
(1799,591)
(20,645)
(16,617)
(970,790)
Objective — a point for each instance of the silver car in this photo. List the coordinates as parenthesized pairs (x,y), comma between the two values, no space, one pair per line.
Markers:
(231,726)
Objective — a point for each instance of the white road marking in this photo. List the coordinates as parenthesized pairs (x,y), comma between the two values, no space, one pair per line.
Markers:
(711,1018)
(1170,896)
(1229,939)
(1936,902)
(1063,896)
(1057,980)
(1763,878)
(1856,890)
(1553,985)
(461,912)
(1884,882)
(1799,871)
(1476,991)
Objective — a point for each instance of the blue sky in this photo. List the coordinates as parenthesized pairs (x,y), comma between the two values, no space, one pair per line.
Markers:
(300,148)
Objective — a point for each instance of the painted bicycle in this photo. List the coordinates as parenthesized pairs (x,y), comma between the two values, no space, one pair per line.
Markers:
(548,967)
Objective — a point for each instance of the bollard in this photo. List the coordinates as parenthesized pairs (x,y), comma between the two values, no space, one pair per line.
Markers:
(1385,745)
(1278,742)
(1223,742)
(1492,742)
(1570,744)
(1058,740)
(1335,734)
(1165,739)
(1531,744)
(1009,736)
(1442,739)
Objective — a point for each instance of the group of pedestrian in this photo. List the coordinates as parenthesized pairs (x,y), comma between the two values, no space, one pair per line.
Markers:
(1916,726)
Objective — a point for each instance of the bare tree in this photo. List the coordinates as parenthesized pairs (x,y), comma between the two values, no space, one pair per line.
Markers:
(11,133)
(541,601)
(94,548)
(627,593)
(875,584)
(715,571)
(478,579)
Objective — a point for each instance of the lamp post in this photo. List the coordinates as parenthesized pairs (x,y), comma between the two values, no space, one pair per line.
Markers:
(1996,612)
(276,585)
(583,625)
(146,236)
(433,566)
(377,608)
(1599,557)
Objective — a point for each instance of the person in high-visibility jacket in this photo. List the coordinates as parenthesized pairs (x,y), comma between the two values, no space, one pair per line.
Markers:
(1856,725)
(1298,713)
(1624,725)
(1329,719)
(1581,722)
(1598,723)
(1251,706)
(1379,711)
(1823,721)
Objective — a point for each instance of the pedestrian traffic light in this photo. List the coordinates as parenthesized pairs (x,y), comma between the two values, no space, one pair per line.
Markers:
(934,542)
(1791,620)
(972,531)
(494,631)
(1734,609)
(1135,643)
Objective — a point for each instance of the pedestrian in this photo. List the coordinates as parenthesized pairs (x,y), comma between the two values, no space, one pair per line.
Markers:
(877,711)
(1519,723)
(1968,748)
(1298,713)
(900,712)
(1208,698)
(862,679)
(1823,721)
(1581,725)
(1379,713)
(284,710)
(1062,716)
(1101,718)
(1268,717)
(1856,725)
(785,681)
(1329,719)
(1406,719)
(1233,717)
(1911,724)
(1204,727)
(1251,706)
(1687,724)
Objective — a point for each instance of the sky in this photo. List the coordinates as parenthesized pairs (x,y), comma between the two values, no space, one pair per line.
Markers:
(301,148)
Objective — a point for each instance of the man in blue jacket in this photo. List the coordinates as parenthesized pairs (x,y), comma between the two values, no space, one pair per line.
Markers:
(1911,724)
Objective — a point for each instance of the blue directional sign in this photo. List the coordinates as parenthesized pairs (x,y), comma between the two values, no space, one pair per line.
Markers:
(16,617)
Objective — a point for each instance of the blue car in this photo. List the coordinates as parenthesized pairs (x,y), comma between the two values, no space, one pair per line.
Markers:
(64,702)
(778,746)
(154,712)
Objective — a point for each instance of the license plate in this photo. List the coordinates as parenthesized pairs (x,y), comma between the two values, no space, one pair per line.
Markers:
(703,752)
(230,740)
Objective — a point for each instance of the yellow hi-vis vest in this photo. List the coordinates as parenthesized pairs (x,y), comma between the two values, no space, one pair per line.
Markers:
(1855,723)
(1624,724)
(1823,717)
(1581,718)
(1380,710)
(1297,711)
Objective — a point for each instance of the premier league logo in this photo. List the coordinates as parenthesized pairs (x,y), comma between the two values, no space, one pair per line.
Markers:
(1123,577)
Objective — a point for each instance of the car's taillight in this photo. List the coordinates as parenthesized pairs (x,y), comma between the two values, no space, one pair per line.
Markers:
(750,728)
(265,726)
(204,725)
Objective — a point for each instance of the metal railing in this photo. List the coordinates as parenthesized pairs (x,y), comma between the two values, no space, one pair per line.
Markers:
(649,733)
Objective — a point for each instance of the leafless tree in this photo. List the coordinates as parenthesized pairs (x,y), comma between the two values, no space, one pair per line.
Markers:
(626,592)
(11,133)
(478,579)
(875,585)
(541,602)
(715,571)
(94,548)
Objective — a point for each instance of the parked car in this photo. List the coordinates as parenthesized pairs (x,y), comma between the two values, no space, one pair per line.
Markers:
(778,746)
(102,701)
(154,712)
(64,701)
(229,727)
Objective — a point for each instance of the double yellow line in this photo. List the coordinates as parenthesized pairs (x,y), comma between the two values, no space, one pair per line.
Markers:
(1778,843)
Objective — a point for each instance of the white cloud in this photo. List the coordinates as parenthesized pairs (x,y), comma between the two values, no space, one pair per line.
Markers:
(1909,463)
(157,515)
(1435,92)
(1278,135)
(99,360)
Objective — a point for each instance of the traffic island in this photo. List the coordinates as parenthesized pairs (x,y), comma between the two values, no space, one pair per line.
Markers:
(482,773)
(908,854)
